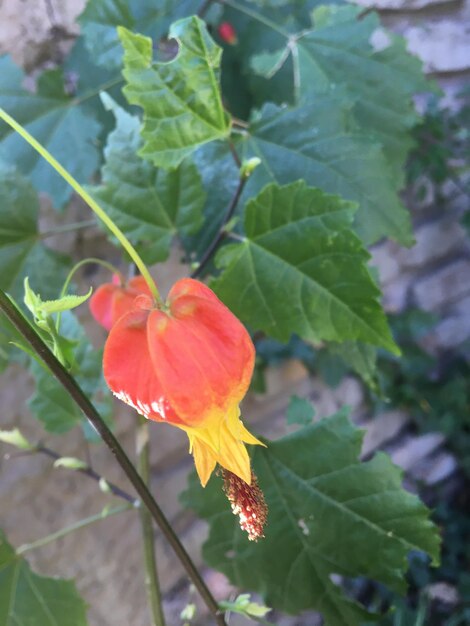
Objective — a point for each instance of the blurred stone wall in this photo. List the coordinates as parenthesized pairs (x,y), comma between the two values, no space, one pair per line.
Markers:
(434,275)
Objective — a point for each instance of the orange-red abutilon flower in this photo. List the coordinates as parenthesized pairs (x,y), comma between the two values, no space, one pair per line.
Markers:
(188,363)
(111,300)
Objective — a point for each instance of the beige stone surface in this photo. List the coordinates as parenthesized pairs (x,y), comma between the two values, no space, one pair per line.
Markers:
(431,42)
(444,287)
(37,31)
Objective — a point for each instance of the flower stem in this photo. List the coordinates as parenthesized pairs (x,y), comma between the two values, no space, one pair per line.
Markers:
(75,268)
(221,232)
(151,574)
(94,206)
(72,528)
(82,401)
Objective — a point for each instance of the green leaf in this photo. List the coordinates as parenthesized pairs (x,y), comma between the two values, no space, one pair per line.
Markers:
(70,462)
(27,598)
(15,438)
(66,303)
(302,270)
(267,64)
(99,22)
(361,358)
(41,309)
(52,117)
(328,514)
(21,251)
(339,51)
(149,205)
(300,411)
(244,606)
(51,404)
(317,142)
(181,99)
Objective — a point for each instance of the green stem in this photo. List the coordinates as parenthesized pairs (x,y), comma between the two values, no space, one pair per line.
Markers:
(212,247)
(151,573)
(94,206)
(78,396)
(55,336)
(75,268)
(72,528)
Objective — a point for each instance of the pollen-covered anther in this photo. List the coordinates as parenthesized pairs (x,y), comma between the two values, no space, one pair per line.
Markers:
(247,501)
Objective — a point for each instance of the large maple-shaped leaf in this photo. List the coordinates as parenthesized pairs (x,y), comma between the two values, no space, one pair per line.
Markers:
(52,116)
(27,599)
(301,269)
(328,514)
(339,51)
(181,99)
(150,205)
(317,142)
(22,252)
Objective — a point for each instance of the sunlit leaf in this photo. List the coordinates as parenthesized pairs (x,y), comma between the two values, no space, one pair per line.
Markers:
(181,98)
(302,270)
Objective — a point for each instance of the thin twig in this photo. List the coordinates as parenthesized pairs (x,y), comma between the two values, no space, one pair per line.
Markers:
(88,471)
(152,584)
(79,397)
(221,232)
(236,158)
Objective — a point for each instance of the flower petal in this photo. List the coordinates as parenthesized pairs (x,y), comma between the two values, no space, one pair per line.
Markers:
(203,344)
(204,460)
(128,369)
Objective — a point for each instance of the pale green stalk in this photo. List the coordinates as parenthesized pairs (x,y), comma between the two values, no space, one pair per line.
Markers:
(75,268)
(73,527)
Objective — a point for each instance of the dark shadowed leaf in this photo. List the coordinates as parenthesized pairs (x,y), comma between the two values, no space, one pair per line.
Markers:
(149,205)
(328,514)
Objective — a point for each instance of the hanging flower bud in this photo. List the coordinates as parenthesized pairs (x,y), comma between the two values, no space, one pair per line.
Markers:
(188,363)
(227,33)
(111,300)
(247,501)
